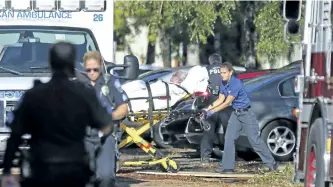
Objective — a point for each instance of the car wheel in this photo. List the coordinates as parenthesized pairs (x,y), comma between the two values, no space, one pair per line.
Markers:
(160,136)
(280,137)
(315,163)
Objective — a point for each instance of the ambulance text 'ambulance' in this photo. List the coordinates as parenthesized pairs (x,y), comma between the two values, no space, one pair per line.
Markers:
(35,15)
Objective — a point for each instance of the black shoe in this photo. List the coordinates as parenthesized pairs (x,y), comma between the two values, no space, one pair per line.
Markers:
(273,167)
(224,171)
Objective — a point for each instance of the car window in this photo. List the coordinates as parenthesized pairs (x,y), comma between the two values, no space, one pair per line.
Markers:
(287,88)
(261,81)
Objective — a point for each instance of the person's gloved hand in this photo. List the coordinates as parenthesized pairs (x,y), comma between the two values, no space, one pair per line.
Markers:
(209,113)
(206,113)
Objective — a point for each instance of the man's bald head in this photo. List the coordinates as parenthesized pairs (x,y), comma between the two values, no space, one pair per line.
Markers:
(62,56)
(178,77)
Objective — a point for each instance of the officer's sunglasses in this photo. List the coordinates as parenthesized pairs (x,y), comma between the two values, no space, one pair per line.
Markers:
(92,69)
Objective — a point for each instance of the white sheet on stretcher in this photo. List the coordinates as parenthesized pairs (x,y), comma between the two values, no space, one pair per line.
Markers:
(196,81)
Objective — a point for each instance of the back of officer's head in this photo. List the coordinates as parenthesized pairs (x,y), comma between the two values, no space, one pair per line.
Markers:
(62,57)
(215,59)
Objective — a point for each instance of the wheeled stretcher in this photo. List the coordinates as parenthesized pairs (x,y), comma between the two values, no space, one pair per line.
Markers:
(145,121)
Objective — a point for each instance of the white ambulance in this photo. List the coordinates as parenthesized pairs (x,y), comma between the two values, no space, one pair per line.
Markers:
(28,28)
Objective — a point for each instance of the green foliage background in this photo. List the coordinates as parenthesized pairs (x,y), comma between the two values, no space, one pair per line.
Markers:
(195,20)
(269,24)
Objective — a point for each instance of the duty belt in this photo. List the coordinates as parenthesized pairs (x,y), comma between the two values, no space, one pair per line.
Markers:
(242,109)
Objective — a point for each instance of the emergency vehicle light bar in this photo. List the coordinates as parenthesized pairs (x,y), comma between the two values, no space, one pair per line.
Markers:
(45,5)
(54,5)
(20,5)
(95,5)
(3,5)
(71,5)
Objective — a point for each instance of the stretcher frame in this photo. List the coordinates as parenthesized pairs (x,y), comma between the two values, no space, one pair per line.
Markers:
(146,120)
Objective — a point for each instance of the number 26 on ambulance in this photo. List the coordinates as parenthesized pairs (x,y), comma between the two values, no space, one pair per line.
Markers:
(98,17)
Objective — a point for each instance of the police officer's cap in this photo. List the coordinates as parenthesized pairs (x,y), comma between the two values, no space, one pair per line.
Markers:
(62,56)
(215,58)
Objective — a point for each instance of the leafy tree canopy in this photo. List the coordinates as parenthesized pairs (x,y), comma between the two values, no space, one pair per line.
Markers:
(195,19)
(269,25)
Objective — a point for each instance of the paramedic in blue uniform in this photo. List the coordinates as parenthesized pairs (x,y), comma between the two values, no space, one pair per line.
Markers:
(56,115)
(116,103)
(232,93)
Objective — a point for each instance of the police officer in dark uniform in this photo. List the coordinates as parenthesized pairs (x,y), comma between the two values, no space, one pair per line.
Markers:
(56,115)
(207,141)
(114,99)
(232,93)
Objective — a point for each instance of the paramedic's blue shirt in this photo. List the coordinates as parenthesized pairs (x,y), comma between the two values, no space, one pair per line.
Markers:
(235,88)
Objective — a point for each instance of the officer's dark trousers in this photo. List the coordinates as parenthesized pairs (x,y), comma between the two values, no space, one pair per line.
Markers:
(207,141)
(248,121)
(105,162)
(59,175)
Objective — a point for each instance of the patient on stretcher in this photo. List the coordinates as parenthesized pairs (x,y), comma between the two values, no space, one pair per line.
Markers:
(195,80)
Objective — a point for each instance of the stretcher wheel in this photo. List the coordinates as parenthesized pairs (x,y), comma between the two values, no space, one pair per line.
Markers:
(173,166)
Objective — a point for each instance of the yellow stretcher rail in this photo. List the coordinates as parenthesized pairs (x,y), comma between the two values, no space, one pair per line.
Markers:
(134,136)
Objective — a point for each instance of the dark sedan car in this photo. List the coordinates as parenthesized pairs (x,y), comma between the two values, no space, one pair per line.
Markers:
(177,121)
(273,99)
(171,130)
(242,73)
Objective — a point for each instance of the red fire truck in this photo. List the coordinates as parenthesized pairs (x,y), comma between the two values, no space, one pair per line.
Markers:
(313,161)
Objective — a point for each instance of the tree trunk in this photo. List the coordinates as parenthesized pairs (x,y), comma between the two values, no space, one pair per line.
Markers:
(205,50)
(165,49)
(184,57)
(217,41)
(150,53)
(202,54)
(250,34)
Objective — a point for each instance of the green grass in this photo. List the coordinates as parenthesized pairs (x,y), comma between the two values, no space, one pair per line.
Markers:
(282,178)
